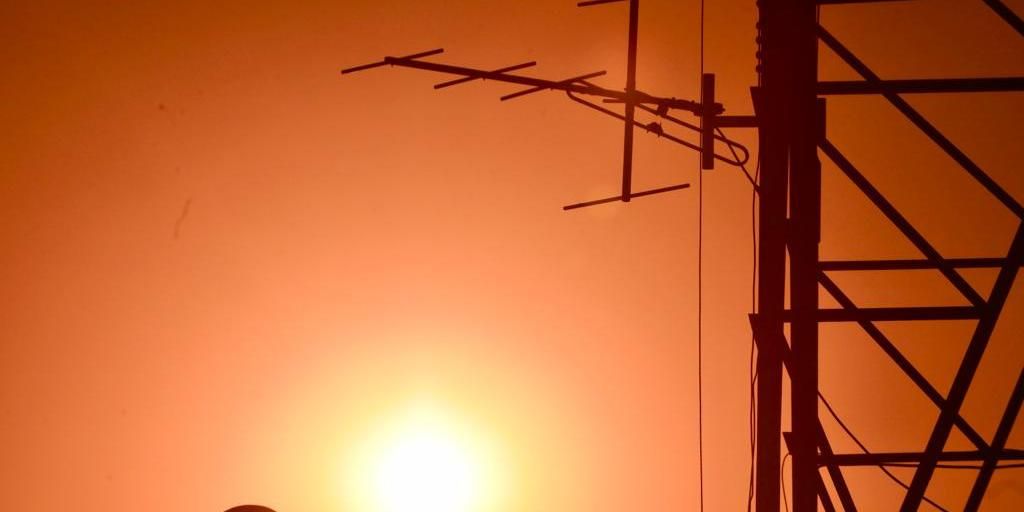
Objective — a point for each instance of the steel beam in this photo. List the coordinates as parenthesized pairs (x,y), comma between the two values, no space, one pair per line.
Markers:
(922,86)
(930,130)
(773,143)
(895,314)
(842,490)
(1003,432)
(844,2)
(823,496)
(911,264)
(901,361)
(1007,15)
(803,239)
(965,374)
(881,459)
(901,222)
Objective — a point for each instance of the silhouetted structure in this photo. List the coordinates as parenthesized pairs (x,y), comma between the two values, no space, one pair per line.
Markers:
(249,508)
(630,97)
(790,118)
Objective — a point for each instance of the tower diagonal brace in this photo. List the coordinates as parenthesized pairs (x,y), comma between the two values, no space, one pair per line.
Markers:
(965,374)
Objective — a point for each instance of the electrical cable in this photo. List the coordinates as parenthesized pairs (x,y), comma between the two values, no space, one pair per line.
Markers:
(700,296)
(782,481)
(751,179)
(752,413)
(752,366)
(888,473)
(754,197)
(753,299)
(700,341)
(656,129)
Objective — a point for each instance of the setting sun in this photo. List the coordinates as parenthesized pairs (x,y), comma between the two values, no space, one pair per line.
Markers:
(425,470)
(425,463)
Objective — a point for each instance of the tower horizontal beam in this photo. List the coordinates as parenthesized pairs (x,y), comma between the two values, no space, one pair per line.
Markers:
(901,361)
(891,314)
(875,459)
(925,85)
(965,374)
(901,222)
(922,124)
(843,2)
(911,264)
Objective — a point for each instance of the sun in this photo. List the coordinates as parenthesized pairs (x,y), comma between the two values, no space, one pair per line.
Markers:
(425,464)
(425,470)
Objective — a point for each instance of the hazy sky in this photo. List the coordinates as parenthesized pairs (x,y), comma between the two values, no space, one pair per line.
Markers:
(226,266)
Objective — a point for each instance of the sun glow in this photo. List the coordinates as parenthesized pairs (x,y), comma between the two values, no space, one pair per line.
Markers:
(424,464)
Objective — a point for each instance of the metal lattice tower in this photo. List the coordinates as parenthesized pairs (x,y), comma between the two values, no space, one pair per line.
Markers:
(792,118)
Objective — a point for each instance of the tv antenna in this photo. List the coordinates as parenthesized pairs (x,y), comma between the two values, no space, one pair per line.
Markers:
(583,90)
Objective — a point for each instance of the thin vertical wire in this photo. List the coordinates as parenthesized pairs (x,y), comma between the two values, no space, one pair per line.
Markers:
(752,369)
(700,332)
(700,293)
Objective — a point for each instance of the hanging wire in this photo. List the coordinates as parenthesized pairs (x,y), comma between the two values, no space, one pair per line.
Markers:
(752,412)
(752,368)
(700,296)
(888,473)
(656,129)
(782,480)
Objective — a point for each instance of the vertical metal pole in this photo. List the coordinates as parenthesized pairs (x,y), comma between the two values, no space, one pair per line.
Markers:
(788,116)
(771,285)
(707,121)
(804,235)
(770,289)
(627,144)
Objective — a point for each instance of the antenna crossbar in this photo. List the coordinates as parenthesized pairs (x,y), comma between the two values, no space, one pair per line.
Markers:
(589,3)
(463,80)
(605,200)
(384,62)
(539,88)
(636,97)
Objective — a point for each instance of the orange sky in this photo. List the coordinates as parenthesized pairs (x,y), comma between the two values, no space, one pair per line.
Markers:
(225,265)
